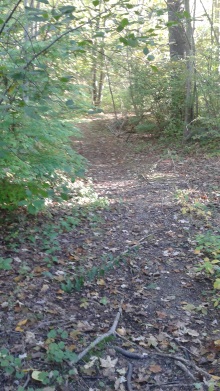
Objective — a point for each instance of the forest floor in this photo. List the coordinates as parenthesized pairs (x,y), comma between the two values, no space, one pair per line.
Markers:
(127,249)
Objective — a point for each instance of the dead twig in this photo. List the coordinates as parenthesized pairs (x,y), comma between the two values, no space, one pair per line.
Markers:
(183,367)
(99,339)
(27,381)
(129,374)
(185,361)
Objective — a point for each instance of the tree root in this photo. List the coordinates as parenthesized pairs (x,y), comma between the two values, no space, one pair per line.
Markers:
(181,362)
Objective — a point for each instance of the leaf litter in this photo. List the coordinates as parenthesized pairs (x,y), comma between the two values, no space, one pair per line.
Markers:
(142,240)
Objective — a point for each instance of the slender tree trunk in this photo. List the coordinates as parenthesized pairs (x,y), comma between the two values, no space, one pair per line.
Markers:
(110,89)
(177,39)
(190,85)
(98,65)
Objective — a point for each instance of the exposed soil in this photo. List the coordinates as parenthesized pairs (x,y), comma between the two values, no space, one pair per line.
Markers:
(147,233)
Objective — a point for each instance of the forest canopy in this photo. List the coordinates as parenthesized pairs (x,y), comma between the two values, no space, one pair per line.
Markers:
(60,60)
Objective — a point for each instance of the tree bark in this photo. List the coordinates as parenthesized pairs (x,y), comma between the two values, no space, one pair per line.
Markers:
(177,40)
(190,84)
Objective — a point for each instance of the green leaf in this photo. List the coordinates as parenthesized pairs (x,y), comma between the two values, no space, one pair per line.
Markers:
(39,376)
(52,334)
(69,103)
(154,68)
(31,112)
(151,286)
(172,23)
(217,283)
(104,300)
(124,22)
(124,41)
(99,34)
(146,51)
(67,9)
(186,14)
(43,1)
(132,42)
(17,75)
(198,386)
(150,57)
(64,335)
(65,79)
(95,2)
(5,264)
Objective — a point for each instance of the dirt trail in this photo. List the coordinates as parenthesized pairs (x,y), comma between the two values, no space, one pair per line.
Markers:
(161,297)
(55,300)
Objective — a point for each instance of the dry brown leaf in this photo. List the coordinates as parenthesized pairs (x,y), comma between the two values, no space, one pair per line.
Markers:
(22,322)
(101,282)
(152,341)
(108,363)
(161,315)
(122,331)
(45,288)
(155,368)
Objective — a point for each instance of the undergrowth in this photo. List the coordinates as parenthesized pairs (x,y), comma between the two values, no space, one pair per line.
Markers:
(206,244)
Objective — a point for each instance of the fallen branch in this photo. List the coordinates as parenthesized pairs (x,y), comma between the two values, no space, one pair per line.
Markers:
(180,362)
(183,367)
(99,339)
(129,374)
(187,362)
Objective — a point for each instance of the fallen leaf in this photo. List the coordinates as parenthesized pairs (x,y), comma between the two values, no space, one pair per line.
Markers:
(84,304)
(91,362)
(108,363)
(217,342)
(161,315)
(122,371)
(215,377)
(122,331)
(155,368)
(4,304)
(45,288)
(30,337)
(74,334)
(21,323)
(191,332)
(36,375)
(152,341)
(119,382)
(84,326)
(101,282)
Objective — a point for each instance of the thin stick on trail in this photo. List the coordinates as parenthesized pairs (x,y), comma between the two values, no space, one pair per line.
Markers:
(99,339)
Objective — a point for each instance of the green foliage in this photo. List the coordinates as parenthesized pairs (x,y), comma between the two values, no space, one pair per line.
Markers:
(58,352)
(5,263)
(11,365)
(82,275)
(205,130)
(36,99)
(209,245)
(35,156)
(157,95)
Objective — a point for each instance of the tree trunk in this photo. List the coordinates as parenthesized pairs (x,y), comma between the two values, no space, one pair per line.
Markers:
(98,62)
(177,40)
(190,85)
